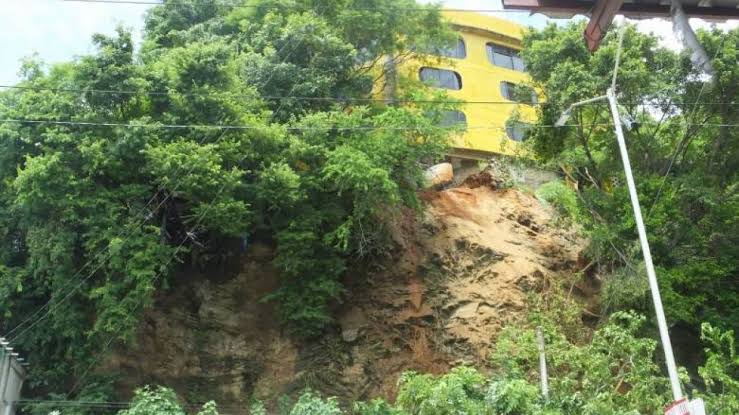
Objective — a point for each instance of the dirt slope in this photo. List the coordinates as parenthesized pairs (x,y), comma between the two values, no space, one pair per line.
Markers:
(459,274)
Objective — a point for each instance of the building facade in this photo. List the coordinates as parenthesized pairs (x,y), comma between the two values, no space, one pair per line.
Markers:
(485,70)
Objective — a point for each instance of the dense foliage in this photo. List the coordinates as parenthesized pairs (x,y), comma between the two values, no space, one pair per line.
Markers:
(123,165)
(190,149)
(683,145)
(161,401)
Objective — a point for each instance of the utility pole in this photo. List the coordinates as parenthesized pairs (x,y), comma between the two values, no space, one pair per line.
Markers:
(542,364)
(651,275)
(647,253)
(641,229)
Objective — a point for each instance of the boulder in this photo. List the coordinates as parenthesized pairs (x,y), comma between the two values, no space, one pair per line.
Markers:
(439,175)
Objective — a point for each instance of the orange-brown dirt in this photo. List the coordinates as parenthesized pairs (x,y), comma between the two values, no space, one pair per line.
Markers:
(460,273)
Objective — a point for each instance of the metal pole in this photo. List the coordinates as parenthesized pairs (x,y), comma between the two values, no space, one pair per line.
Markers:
(651,275)
(618,55)
(566,115)
(685,33)
(542,364)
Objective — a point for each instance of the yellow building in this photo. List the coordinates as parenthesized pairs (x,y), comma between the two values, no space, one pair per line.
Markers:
(484,70)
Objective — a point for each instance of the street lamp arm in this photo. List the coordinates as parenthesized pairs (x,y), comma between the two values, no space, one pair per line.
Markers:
(566,114)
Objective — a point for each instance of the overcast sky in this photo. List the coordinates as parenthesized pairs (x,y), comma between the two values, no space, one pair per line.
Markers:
(58,31)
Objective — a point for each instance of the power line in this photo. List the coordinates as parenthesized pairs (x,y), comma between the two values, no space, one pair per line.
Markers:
(155,126)
(255,127)
(73,404)
(321,128)
(256,96)
(94,257)
(78,123)
(646,102)
(161,272)
(273,7)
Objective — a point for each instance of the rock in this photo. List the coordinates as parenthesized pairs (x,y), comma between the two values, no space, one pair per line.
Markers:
(439,175)
(350,335)
(465,310)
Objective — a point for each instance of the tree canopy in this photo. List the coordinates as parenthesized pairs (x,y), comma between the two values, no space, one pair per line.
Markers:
(683,144)
(123,166)
(234,124)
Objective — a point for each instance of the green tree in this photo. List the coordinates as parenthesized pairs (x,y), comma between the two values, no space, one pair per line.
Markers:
(100,209)
(612,374)
(312,404)
(721,370)
(161,401)
(461,391)
(683,155)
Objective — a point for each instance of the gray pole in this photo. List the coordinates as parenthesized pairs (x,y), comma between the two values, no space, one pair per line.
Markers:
(685,33)
(542,364)
(651,275)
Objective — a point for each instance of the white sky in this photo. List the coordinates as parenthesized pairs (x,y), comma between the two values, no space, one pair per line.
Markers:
(56,30)
(59,31)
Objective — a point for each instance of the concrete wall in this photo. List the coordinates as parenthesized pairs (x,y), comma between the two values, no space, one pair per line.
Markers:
(12,375)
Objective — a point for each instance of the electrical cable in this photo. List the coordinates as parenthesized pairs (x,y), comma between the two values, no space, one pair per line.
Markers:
(621,32)
(321,128)
(126,237)
(340,100)
(268,98)
(227,127)
(255,127)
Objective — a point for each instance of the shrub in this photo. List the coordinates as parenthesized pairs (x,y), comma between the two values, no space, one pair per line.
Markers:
(311,404)
(512,397)
(461,391)
(562,197)
(161,401)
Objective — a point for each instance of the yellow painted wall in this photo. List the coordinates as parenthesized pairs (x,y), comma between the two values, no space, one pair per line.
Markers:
(481,82)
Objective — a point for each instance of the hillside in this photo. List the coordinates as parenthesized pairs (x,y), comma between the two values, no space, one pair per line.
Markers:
(227,203)
(458,275)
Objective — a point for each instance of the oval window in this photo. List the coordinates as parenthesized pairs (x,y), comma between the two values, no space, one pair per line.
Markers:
(518,93)
(505,57)
(458,51)
(518,131)
(441,78)
(453,118)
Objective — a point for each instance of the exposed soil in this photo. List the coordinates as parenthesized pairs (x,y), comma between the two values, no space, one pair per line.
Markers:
(459,274)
